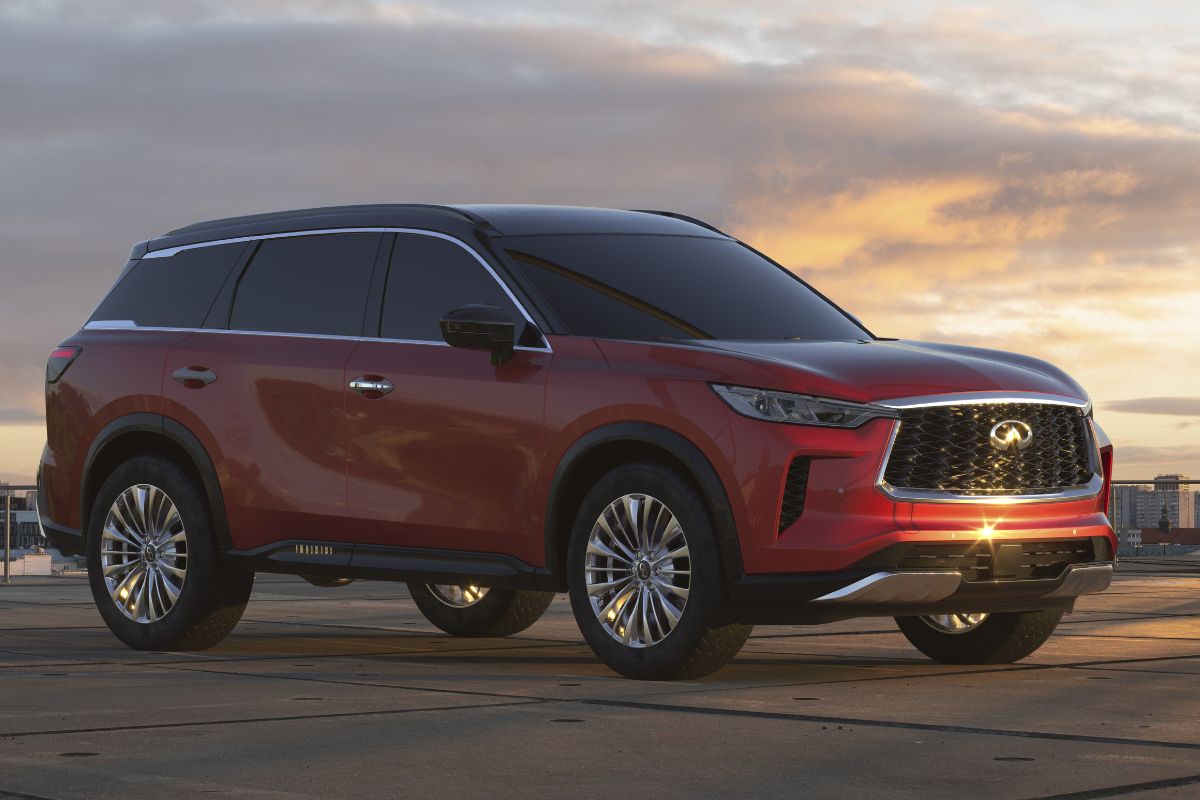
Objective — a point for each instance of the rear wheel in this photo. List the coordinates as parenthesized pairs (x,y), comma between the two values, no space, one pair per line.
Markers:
(645,577)
(153,565)
(978,638)
(468,610)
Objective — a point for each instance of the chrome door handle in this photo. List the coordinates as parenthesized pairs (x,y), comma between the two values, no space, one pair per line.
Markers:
(371,386)
(194,377)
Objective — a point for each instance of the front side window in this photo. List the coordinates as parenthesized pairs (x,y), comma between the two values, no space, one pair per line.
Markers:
(621,286)
(170,292)
(430,276)
(307,284)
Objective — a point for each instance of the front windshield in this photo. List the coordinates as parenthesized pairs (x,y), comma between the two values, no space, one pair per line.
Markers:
(628,286)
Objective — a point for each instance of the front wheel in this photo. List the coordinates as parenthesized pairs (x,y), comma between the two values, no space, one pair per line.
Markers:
(645,577)
(467,610)
(978,638)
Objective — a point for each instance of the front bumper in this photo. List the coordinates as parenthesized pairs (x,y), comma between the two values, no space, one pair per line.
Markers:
(915,579)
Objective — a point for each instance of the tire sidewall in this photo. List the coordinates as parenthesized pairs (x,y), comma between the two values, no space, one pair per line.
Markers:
(473,620)
(705,596)
(193,603)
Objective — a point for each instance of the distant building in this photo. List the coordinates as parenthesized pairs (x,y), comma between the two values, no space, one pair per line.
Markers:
(26,530)
(1123,507)
(1129,537)
(1169,495)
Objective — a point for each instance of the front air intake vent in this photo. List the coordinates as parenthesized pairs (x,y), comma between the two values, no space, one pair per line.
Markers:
(794,489)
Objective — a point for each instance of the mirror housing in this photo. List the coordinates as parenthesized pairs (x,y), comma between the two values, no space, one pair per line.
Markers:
(481,327)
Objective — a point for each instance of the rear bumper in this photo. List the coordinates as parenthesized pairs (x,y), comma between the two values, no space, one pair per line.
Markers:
(68,541)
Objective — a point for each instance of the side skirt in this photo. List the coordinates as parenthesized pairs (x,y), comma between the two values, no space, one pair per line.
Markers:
(376,562)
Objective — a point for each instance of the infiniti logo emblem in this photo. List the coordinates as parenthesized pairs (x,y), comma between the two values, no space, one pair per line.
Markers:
(1011,435)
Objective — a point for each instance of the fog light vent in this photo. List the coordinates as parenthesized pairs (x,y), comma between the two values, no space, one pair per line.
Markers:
(793,492)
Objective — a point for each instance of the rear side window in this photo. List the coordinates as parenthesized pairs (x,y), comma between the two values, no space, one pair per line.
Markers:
(171,292)
(307,284)
(430,276)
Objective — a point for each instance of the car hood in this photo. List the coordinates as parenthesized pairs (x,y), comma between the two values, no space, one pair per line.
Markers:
(886,369)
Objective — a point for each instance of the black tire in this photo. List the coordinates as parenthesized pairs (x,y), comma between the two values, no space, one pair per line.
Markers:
(703,640)
(213,595)
(500,612)
(999,639)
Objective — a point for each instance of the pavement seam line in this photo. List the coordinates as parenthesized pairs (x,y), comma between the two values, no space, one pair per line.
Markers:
(1117,791)
(250,720)
(880,723)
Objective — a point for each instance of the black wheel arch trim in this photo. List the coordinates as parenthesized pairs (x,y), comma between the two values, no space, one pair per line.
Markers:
(177,433)
(679,447)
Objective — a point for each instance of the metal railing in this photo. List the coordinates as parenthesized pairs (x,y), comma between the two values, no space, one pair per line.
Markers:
(8,516)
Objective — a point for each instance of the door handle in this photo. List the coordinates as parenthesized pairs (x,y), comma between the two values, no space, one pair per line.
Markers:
(371,387)
(194,377)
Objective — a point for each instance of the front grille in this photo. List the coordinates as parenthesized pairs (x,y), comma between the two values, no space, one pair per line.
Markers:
(794,489)
(1001,560)
(949,449)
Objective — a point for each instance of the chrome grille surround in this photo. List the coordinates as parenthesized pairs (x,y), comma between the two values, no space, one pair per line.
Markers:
(960,466)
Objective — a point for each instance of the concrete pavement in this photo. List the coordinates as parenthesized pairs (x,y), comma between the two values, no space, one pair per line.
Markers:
(348,692)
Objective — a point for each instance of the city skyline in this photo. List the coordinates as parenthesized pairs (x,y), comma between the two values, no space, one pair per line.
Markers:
(1017,180)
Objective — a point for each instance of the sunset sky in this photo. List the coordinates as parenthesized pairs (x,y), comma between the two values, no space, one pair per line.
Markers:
(1023,176)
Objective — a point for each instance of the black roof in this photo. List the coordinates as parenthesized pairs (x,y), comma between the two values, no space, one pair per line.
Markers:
(462,220)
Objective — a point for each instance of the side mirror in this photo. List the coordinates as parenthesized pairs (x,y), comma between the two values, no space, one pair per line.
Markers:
(481,327)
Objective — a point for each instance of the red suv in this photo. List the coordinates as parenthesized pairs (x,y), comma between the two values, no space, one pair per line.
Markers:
(498,403)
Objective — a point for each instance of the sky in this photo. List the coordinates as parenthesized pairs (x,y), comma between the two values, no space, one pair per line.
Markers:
(1024,175)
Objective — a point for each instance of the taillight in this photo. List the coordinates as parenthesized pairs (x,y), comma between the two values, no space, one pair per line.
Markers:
(59,360)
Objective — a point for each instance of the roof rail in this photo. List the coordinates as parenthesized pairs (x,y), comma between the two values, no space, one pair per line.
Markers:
(301,213)
(682,217)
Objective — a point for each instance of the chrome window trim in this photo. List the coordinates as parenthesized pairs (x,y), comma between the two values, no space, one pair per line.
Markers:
(170,251)
(1085,491)
(122,325)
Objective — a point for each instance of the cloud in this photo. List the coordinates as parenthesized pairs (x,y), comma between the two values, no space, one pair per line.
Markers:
(945,175)
(20,416)
(1138,461)
(1174,406)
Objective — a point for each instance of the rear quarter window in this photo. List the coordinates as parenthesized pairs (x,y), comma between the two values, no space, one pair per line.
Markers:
(172,292)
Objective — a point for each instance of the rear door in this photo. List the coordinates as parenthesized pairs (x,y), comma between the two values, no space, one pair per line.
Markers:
(451,456)
(263,384)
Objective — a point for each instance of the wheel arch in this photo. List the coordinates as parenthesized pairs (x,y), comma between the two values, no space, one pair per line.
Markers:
(152,434)
(602,449)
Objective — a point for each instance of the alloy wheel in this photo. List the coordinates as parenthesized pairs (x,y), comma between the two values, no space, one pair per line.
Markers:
(954,623)
(457,596)
(637,570)
(143,553)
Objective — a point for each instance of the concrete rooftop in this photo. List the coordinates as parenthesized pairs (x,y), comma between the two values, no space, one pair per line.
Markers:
(348,692)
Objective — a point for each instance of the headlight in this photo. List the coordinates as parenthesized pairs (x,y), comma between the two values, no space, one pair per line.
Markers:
(798,409)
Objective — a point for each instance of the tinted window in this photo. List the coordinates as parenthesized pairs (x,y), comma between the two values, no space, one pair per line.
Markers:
(172,292)
(430,276)
(307,284)
(673,287)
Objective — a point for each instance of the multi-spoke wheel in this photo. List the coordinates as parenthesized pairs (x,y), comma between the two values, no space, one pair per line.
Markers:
(143,553)
(153,564)
(469,610)
(954,623)
(638,570)
(979,638)
(458,596)
(645,577)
